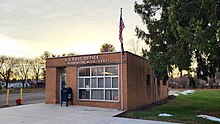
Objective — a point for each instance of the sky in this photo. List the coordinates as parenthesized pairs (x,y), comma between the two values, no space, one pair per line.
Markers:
(30,27)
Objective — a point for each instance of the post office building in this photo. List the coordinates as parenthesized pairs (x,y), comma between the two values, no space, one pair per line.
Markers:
(111,80)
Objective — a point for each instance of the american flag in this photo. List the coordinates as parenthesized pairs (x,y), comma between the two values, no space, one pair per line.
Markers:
(121,27)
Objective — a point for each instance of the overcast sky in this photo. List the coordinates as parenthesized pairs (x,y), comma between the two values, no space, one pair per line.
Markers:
(30,27)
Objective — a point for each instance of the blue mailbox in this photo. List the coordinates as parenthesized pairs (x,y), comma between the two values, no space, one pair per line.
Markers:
(66,96)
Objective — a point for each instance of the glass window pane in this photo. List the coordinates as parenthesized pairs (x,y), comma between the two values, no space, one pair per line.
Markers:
(94,83)
(84,94)
(84,71)
(108,95)
(97,83)
(97,94)
(87,82)
(100,82)
(115,94)
(114,82)
(108,82)
(147,79)
(81,83)
(113,70)
(97,71)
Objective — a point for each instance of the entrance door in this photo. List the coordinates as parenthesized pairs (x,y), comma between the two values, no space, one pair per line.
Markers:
(62,83)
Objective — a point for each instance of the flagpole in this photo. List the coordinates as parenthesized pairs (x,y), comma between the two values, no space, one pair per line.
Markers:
(122,101)
(122,107)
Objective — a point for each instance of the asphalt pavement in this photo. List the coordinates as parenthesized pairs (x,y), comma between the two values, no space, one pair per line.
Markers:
(28,98)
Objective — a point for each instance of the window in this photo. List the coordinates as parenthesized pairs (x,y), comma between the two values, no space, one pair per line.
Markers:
(97,71)
(147,79)
(111,71)
(84,94)
(108,82)
(111,95)
(81,83)
(84,71)
(98,83)
(97,94)
(158,81)
(94,82)
(114,82)
(87,82)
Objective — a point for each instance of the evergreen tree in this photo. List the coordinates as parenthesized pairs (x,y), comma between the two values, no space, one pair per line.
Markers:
(185,30)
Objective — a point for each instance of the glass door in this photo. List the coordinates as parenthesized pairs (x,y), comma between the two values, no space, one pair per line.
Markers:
(62,83)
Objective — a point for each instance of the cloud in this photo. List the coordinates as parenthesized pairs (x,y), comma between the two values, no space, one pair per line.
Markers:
(33,19)
(39,25)
(14,47)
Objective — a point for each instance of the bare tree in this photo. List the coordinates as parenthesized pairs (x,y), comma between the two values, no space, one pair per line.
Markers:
(107,48)
(2,61)
(23,69)
(134,46)
(7,65)
(37,66)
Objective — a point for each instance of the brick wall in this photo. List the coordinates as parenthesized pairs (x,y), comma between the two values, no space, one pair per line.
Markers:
(135,91)
(139,93)
(52,81)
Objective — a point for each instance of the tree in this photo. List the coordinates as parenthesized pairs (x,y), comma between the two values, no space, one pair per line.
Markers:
(37,66)
(155,38)
(69,54)
(7,65)
(23,69)
(107,48)
(134,46)
(198,24)
(44,57)
(184,30)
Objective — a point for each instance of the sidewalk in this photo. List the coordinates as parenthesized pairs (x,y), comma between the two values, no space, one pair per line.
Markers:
(54,114)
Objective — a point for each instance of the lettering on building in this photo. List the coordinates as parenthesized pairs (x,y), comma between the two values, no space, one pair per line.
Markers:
(81,60)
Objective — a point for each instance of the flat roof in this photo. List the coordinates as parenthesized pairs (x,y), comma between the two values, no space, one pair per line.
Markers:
(103,53)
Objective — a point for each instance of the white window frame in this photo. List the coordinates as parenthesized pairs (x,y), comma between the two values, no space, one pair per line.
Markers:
(91,88)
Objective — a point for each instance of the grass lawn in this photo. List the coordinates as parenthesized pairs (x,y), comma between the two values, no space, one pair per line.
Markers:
(25,90)
(184,108)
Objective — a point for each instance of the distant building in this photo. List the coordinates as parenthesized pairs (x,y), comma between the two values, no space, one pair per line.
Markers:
(96,80)
(15,85)
(36,84)
(2,84)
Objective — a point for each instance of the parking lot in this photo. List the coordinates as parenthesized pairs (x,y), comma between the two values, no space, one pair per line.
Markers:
(28,98)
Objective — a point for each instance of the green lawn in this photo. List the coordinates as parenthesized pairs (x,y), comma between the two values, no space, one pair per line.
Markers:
(184,108)
(25,90)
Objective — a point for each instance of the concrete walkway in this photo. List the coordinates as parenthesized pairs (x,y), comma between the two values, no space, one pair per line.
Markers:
(54,114)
